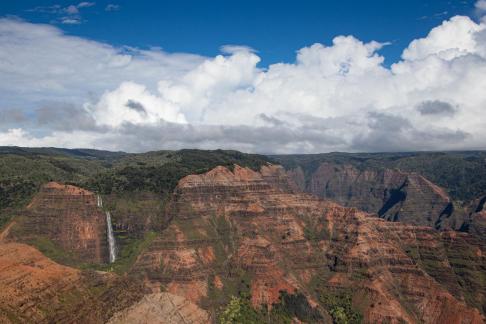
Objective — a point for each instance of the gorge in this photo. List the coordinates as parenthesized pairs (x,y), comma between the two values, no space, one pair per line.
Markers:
(244,233)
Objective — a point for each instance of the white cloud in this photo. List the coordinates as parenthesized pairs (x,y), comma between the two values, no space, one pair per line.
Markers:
(19,137)
(69,15)
(132,103)
(72,9)
(39,63)
(70,20)
(336,97)
(480,5)
(112,7)
(85,4)
(453,38)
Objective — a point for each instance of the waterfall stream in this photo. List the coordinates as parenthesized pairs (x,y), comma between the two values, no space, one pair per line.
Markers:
(111,238)
(109,230)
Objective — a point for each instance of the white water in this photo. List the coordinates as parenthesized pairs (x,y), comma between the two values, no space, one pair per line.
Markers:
(109,227)
(111,238)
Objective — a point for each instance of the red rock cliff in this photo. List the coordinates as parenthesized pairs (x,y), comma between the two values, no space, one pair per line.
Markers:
(231,229)
(394,195)
(69,217)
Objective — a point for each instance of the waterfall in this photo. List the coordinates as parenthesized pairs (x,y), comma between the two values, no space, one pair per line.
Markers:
(111,238)
(109,230)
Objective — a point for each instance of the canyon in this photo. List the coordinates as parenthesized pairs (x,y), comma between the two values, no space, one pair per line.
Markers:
(392,194)
(229,228)
(282,244)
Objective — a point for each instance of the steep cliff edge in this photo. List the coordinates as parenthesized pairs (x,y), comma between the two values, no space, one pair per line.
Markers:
(243,232)
(66,219)
(392,194)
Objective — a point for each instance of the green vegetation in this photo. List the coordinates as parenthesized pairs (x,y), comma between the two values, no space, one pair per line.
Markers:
(239,310)
(289,306)
(338,302)
(108,172)
(236,282)
(312,233)
(295,305)
(125,259)
(14,194)
(23,171)
(138,184)
(340,307)
(127,255)
(55,252)
(462,174)
(161,175)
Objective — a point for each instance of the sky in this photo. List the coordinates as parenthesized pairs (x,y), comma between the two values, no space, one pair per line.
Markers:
(256,76)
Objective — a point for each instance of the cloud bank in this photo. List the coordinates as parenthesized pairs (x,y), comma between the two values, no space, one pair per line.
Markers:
(60,90)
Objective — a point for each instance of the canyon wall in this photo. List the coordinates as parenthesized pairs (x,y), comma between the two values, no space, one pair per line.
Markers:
(240,232)
(392,194)
(243,231)
(66,218)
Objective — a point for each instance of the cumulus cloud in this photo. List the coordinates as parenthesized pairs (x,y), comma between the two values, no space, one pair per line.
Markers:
(337,97)
(132,103)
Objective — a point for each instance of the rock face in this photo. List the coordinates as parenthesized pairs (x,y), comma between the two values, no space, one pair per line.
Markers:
(240,230)
(232,232)
(392,194)
(34,289)
(161,308)
(67,216)
(28,281)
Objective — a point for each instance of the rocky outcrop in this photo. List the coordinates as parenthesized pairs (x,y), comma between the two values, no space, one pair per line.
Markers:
(241,230)
(477,218)
(68,217)
(34,289)
(28,282)
(392,194)
(161,308)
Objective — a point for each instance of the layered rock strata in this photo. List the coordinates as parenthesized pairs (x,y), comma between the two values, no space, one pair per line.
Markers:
(234,231)
(28,279)
(34,289)
(162,308)
(392,194)
(68,217)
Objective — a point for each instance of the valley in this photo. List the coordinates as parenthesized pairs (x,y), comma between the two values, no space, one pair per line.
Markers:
(216,236)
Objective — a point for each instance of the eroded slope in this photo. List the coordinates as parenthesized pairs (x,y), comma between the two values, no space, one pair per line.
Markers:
(67,218)
(247,232)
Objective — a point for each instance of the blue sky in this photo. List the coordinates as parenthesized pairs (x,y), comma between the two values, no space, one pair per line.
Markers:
(256,76)
(276,29)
